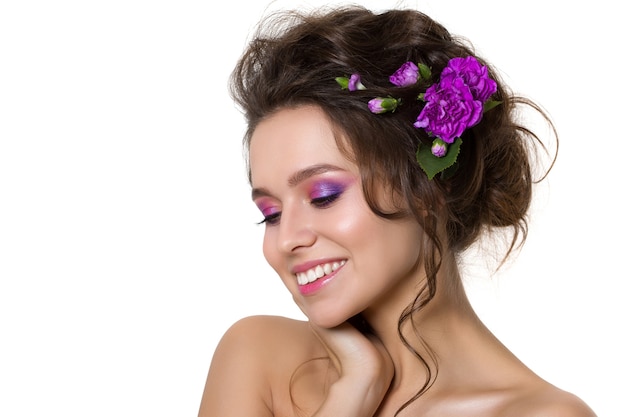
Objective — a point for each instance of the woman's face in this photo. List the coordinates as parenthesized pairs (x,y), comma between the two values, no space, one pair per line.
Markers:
(336,257)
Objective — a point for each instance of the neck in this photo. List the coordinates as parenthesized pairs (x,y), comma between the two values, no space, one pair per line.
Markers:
(445,344)
(435,330)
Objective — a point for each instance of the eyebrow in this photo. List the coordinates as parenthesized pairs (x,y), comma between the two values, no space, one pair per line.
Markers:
(299,177)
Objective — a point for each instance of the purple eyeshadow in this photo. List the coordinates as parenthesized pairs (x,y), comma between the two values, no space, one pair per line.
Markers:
(266,209)
(324,189)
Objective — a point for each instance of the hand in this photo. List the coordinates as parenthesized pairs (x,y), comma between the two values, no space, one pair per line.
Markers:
(365,371)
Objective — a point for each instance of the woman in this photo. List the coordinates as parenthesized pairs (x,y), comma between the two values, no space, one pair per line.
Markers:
(380,148)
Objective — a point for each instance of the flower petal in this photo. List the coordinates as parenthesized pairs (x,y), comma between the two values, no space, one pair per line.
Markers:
(406,75)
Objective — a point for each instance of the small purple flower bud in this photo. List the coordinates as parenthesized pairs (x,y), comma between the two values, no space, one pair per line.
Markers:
(380,105)
(439,148)
(355,83)
(406,75)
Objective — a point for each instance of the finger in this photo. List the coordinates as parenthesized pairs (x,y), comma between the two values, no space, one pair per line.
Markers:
(349,349)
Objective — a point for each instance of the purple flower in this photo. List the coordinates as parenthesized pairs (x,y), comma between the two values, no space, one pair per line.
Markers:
(473,74)
(355,83)
(450,109)
(439,148)
(406,75)
(380,105)
(456,102)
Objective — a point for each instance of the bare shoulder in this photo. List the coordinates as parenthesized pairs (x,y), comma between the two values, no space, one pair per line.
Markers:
(252,355)
(262,339)
(267,337)
(548,401)
(264,326)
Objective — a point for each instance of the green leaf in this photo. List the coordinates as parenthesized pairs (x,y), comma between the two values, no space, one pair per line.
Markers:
(424,71)
(343,82)
(490,104)
(433,165)
(449,172)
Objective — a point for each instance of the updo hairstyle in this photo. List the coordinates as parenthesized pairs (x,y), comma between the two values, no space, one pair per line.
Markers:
(293,60)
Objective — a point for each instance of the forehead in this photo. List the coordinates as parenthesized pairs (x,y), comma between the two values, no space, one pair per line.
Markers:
(291,140)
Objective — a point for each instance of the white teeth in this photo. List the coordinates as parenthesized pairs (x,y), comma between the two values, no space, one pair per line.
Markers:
(318,272)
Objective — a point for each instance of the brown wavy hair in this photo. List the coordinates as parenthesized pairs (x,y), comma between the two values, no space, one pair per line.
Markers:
(293,60)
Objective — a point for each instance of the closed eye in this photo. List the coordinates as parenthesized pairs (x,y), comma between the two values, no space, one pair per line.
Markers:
(271,219)
(323,202)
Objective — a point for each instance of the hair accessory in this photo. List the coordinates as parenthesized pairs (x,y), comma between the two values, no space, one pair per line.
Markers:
(454,104)
(352,84)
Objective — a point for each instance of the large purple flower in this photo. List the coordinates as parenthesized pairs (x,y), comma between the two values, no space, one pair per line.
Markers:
(450,109)
(456,102)
(475,76)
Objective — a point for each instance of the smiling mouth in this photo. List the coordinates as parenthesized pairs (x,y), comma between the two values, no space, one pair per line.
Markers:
(318,272)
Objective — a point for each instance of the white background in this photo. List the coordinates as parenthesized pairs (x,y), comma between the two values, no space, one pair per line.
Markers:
(128,241)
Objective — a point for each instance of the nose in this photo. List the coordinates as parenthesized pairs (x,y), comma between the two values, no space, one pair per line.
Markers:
(296,229)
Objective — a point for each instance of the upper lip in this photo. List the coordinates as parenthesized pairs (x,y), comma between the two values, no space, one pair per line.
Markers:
(305,266)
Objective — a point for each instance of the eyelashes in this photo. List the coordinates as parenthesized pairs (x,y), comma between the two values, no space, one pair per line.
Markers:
(271,219)
(325,201)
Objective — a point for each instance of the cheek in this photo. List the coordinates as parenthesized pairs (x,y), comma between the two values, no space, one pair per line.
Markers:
(356,224)
(271,254)
(351,217)
(275,260)
(350,231)
(269,251)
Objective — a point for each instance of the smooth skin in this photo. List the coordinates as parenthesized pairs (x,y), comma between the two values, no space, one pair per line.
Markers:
(273,366)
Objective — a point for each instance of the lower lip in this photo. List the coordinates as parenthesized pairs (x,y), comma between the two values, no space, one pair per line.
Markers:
(315,286)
